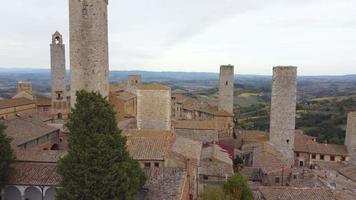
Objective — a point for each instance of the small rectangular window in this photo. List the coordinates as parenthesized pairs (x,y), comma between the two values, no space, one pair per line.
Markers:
(313,156)
(147,165)
(206,177)
(277,180)
(157,165)
(332,158)
(321,157)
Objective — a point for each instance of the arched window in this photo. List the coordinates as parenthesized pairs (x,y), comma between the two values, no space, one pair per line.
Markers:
(13,193)
(227,83)
(59,116)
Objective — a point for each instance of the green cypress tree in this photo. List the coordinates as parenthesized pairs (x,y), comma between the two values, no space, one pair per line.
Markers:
(6,157)
(97,165)
(236,188)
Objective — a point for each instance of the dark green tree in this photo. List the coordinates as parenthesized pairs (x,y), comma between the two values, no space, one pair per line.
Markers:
(236,188)
(6,157)
(97,165)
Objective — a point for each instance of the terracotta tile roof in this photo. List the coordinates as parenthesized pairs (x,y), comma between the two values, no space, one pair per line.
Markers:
(291,193)
(153,86)
(253,136)
(43,102)
(188,148)
(215,161)
(222,113)
(195,124)
(349,172)
(267,158)
(304,143)
(36,155)
(23,94)
(37,174)
(23,130)
(165,183)
(8,103)
(149,145)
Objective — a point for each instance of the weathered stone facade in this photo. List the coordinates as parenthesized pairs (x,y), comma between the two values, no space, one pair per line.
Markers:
(24,87)
(283,110)
(350,139)
(59,103)
(133,82)
(154,107)
(226,88)
(89,59)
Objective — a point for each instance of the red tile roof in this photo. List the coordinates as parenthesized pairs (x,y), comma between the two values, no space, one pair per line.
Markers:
(8,103)
(37,174)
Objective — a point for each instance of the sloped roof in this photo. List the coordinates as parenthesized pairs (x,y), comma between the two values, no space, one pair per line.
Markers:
(188,148)
(304,143)
(165,183)
(349,172)
(267,158)
(124,95)
(23,130)
(291,193)
(196,124)
(43,102)
(36,155)
(8,103)
(215,161)
(37,174)
(149,145)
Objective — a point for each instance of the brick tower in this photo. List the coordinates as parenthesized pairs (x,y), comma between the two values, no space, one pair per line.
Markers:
(283,110)
(89,59)
(58,70)
(226,88)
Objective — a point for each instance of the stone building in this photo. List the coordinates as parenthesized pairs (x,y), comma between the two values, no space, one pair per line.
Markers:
(350,139)
(10,108)
(59,102)
(154,107)
(283,110)
(133,82)
(124,104)
(226,88)
(24,90)
(89,59)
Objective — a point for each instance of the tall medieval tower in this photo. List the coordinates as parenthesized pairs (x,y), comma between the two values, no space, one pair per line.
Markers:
(283,110)
(350,139)
(226,88)
(58,71)
(89,59)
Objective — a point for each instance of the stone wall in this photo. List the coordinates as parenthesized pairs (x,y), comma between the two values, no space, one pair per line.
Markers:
(89,59)
(58,72)
(226,88)
(283,110)
(133,82)
(350,139)
(154,109)
(24,87)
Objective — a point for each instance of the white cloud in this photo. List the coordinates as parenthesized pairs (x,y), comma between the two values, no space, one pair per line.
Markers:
(199,35)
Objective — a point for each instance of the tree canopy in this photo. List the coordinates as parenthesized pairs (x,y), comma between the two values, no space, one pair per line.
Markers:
(6,157)
(97,165)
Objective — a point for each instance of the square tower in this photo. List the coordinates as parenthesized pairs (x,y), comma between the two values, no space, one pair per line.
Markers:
(24,87)
(226,89)
(59,101)
(89,58)
(153,107)
(133,82)
(283,110)
(350,139)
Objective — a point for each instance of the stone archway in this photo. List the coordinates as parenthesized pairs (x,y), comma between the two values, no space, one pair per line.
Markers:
(33,193)
(50,194)
(12,193)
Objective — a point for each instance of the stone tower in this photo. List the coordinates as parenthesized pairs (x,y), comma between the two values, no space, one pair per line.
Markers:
(58,72)
(283,110)
(89,59)
(133,82)
(153,107)
(226,88)
(350,139)
(24,87)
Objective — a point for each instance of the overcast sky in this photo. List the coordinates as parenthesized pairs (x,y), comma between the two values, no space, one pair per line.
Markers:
(318,36)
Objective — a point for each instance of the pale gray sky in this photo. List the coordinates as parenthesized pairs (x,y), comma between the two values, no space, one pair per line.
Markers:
(318,36)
